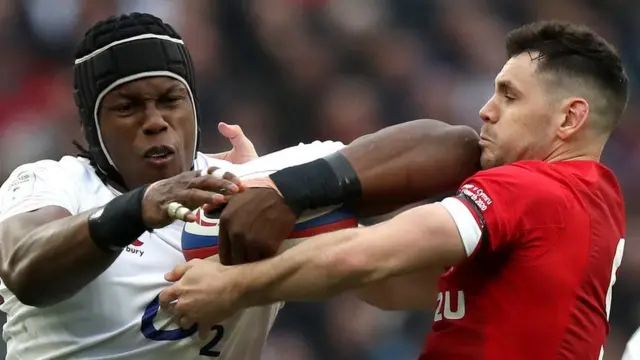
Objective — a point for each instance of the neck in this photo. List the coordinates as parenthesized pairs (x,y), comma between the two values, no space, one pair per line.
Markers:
(566,152)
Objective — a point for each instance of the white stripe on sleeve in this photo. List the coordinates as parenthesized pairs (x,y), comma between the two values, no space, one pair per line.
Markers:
(468,227)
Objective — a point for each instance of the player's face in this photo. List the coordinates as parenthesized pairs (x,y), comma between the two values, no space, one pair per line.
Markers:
(148,127)
(519,117)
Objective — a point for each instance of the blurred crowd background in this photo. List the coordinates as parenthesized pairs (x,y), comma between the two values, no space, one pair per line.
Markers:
(293,71)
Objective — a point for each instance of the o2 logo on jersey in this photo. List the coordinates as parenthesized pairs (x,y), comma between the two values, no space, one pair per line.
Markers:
(444,309)
(150,332)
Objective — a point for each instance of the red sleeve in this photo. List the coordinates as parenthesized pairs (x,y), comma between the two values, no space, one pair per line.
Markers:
(497,206)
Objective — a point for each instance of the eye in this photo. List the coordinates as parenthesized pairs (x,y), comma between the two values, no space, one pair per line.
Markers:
(122,109)
(171,99)
(509,98)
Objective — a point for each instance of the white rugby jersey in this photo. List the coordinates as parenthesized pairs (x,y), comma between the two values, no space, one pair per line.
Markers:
(116,316)
(632,350)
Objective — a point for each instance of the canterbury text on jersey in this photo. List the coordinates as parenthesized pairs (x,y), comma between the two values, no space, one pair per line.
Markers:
(117,316)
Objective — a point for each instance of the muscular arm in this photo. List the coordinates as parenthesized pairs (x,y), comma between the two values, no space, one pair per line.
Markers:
(411,162)
(404,164)
(418,239)
(406,292)
(396,166)
(47,255)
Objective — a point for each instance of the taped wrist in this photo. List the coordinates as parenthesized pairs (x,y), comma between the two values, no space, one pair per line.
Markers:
(323,182)
(119,223)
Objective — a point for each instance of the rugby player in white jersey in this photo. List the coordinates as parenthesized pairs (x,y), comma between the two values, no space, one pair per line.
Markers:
(85,241)
(632,350)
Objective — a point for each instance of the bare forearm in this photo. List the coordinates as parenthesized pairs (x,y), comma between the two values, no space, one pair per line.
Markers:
(324,266)
(53,261)
(418,239)
(411,162)
(408,292)
(312,270)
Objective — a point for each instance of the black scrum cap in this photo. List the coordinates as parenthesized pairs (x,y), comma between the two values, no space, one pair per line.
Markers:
(118,50)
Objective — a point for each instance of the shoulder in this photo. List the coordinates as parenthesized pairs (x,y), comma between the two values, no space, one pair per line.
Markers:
(67,165)
(521,171)
(521,179)
(519,191)
(46,183)
(48,170)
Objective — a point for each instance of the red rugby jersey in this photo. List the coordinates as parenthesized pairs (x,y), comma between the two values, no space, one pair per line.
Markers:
(544,243)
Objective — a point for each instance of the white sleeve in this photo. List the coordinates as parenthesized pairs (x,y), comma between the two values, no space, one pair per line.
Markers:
(292,156)
(468,227)
(203,161)
(34,186)
(632,350)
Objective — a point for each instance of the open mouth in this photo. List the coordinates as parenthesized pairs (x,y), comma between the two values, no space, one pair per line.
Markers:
(159,153)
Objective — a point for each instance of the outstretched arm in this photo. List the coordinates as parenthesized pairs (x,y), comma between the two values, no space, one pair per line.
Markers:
(414,291)
(420,238)
(411,162)
(393,167)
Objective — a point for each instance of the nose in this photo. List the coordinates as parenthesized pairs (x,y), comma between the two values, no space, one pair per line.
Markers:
(154,122)
(488,111)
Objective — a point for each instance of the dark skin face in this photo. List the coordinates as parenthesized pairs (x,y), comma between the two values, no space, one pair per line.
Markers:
(146,113)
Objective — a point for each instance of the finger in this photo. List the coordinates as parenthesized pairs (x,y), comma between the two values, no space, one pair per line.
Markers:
(217,206)
(229,131)
(186,323)
(220,174)
(229,176)
(238,252)
(178,272)
(167,298)
(178,211)
(218,180)
(237,138)
(203,330)
(235,135)
(253,254)
(175,318)
(195,198)
(224,247)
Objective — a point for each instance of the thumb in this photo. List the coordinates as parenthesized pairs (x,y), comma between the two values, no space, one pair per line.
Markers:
(230,131)
(178,272)
(236,136)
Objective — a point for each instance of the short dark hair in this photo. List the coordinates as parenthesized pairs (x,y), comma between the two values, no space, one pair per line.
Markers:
(571,52)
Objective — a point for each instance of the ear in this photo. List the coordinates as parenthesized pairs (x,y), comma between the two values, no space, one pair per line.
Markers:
(576,113)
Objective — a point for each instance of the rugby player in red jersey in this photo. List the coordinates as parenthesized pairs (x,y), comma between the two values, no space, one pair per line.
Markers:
(519,264)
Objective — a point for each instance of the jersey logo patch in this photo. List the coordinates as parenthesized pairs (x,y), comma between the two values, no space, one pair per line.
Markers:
(21,186)
(135,248)
(477,195)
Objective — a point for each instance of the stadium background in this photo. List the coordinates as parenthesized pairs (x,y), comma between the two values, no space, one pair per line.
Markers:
(299,70)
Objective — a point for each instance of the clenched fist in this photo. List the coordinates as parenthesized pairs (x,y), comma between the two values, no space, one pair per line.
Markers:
(191,189)
(253,225)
